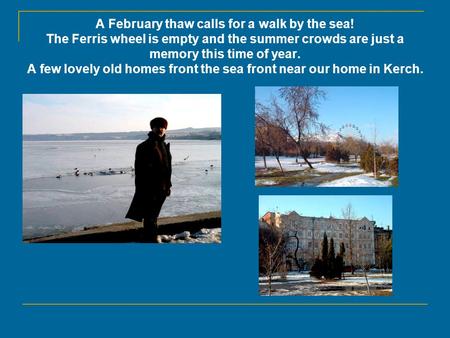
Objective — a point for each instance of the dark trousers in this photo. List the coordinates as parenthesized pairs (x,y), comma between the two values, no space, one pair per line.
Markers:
(151,218)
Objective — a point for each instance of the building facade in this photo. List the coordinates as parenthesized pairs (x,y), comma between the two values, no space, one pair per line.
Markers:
(304,237)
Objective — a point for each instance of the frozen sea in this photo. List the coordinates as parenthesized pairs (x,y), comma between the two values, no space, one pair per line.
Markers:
(53,205)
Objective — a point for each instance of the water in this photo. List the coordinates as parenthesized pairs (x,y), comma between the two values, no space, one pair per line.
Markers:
(53,205)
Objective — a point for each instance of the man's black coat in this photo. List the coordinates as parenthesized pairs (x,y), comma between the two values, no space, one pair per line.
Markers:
(153,170)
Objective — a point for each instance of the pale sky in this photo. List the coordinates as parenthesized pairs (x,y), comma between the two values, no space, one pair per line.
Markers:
(93,113)
(376,207)
(365,107)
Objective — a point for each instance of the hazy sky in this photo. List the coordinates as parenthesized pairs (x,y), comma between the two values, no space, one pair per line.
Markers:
(361,106)
(86,113)
(378,208)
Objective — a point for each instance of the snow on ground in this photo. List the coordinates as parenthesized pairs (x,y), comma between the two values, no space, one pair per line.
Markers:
(319,164)
(288,163)
(363,180)
(327,171)
(335,168)
(296,284)
(202,236)
(348,281)
(267,182)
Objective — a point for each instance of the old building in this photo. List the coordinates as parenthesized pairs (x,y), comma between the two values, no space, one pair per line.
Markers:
(305,234)
(383,248)
(272,218)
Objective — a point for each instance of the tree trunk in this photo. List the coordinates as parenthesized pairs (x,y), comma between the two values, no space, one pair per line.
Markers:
(270,285)
(307,162)
(367,282)
(279,163)
(299,268)
(270,273)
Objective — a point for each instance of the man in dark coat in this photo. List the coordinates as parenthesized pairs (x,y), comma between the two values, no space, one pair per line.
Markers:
(153,170)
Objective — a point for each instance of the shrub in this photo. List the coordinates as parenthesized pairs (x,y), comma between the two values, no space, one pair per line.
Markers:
(367,159)
(393,167)
(317,270)
(330,266)
(336,154)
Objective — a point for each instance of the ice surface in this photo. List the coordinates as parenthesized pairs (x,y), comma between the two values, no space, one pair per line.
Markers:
(52,205)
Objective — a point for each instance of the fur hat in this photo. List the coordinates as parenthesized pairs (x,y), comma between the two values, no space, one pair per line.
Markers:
(158,122)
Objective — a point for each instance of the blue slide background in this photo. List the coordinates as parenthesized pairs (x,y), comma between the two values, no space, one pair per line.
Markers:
(228,273)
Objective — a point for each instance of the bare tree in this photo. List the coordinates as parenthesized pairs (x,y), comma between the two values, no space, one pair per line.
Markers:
(268,135)
(261,147)
(271,252)
(298,262)
(348,214)
(354,146)
(388,149)
(374,150)
(364,264)
(299,118)
(366,268)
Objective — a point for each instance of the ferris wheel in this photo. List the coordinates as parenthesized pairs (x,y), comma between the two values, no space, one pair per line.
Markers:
(350,130)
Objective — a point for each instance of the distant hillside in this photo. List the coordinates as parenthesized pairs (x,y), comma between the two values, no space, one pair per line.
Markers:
(179,134)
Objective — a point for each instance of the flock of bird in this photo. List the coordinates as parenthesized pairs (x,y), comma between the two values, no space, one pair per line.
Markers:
(110,171)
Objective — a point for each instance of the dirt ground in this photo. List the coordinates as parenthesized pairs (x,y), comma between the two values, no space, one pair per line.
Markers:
(301,284)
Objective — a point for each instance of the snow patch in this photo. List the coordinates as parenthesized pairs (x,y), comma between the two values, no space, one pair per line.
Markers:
(364,180)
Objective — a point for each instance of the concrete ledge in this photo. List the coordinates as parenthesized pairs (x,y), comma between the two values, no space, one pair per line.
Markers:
(131,231)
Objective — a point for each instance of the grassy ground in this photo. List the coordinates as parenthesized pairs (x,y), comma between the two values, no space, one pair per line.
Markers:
(308,177)
(394,181)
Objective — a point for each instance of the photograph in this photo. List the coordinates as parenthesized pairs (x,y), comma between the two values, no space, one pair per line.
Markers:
(325,245)
(326,136)
(113,168)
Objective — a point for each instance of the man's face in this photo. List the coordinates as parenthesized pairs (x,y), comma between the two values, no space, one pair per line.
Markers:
(160,131)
